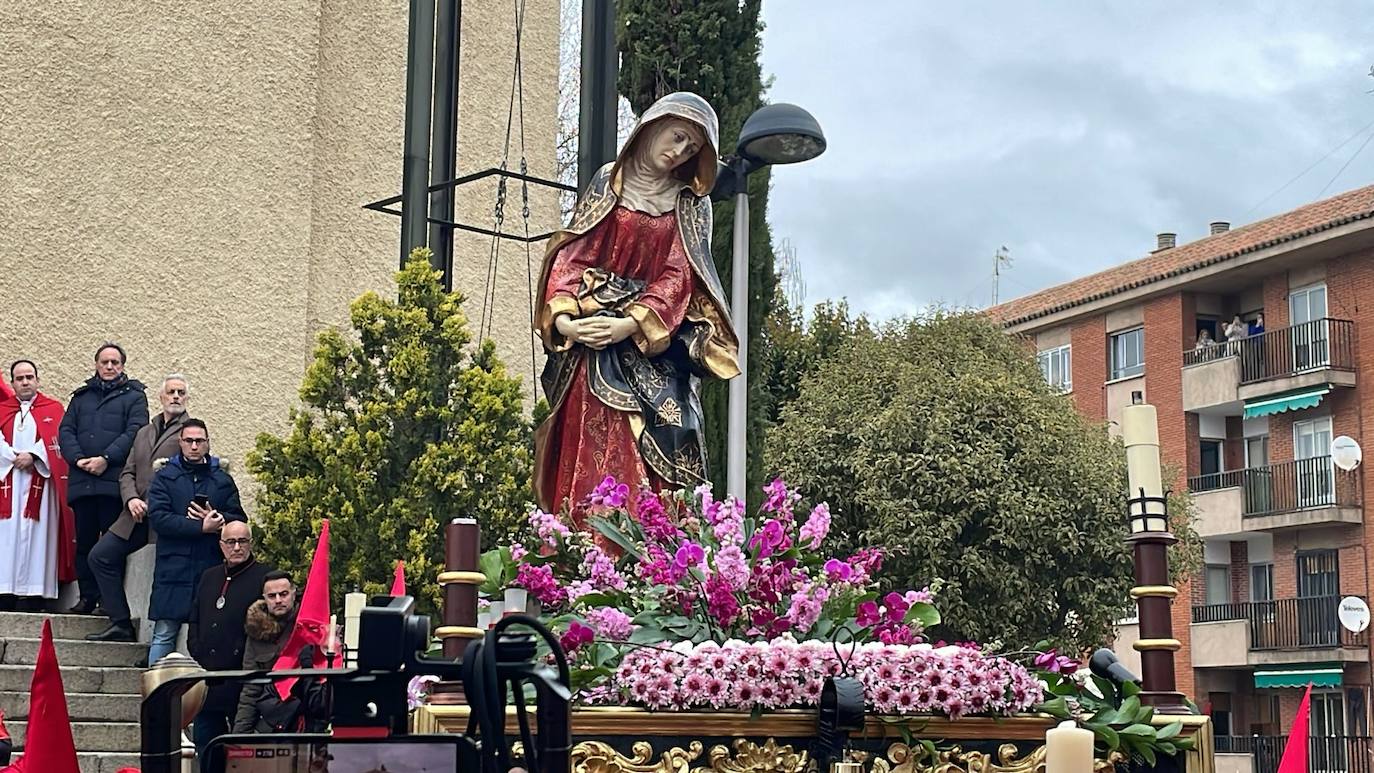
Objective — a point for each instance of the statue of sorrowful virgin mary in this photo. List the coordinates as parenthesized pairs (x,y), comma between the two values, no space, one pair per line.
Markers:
(633,315)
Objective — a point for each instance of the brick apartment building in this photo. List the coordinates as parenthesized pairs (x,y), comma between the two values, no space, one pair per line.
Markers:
(1247,425)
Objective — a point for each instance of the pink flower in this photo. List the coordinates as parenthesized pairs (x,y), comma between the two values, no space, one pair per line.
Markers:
(600,571)
(576,636)
(896,607)
(609,493)
(867,614)
(838,571)
(689,556)
(654,519)
(817,526)
(721,603)
(1055,663)
(732,566)
(539,580)
(518,551)
(769,540)
(610,623)
(548,528)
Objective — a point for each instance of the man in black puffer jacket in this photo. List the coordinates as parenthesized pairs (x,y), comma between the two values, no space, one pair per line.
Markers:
(95,435)
(189,501)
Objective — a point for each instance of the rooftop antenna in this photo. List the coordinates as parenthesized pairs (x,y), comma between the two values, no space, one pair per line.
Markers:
(999,259)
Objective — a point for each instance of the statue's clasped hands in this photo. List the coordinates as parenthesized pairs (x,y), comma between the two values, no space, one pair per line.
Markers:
(596,332)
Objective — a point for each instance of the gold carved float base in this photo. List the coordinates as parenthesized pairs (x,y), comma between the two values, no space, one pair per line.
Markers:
(779,742)
(772,757)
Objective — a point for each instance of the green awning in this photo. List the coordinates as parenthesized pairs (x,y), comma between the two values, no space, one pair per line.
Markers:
(1293,401)
(1315,674)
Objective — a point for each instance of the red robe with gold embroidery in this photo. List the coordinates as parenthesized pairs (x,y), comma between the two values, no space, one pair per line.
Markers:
(588,439)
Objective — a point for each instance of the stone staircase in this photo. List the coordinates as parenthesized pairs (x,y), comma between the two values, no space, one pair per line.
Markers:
(102,686)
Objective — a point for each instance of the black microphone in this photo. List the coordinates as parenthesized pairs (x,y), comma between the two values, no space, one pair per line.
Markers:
(1105,664)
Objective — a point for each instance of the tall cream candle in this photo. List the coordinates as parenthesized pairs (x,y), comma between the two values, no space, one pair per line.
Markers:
(1068,749)
(1140,435)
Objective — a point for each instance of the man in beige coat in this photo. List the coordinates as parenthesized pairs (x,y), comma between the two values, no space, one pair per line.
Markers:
(157,441)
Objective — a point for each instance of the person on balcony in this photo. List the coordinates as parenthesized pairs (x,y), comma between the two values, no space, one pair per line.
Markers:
(1257,326)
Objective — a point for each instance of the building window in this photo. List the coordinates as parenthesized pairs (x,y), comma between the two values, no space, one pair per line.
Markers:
(1261,582)
(1128,353)
(1057,366)
(1218,584)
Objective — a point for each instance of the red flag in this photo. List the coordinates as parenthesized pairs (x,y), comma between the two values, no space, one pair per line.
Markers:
(48,744)
(398,583)
(312,621)
(1294,758)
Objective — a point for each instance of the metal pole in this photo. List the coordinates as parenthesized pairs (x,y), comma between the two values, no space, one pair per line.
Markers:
(419,93)
(736,451)
(596,125)
(447,43)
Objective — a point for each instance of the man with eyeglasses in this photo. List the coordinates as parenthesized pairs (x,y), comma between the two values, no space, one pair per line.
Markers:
(189,502)
(153,446)
(217,634)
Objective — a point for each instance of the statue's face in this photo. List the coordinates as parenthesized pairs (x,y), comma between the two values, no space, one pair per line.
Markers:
(673,144)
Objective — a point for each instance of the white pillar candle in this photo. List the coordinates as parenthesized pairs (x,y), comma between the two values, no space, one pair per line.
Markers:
(483,620)
(331,644)
(515,601)
(497,610)
(1068,749)
(1140,435)
(353,616)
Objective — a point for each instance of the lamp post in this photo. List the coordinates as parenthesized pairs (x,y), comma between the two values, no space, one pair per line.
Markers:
(1147,510)
(775,134)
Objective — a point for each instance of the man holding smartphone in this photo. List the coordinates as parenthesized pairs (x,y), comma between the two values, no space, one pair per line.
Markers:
(188,503)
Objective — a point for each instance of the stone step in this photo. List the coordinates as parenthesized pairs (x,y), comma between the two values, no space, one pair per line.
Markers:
(29,625)
(101,762)
(91,706)
(91,736)
(73,652)
(126,681)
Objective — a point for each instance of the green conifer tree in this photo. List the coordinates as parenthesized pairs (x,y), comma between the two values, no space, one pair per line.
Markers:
(403,426)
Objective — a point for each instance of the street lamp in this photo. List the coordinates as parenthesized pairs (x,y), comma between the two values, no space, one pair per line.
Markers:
(774,134)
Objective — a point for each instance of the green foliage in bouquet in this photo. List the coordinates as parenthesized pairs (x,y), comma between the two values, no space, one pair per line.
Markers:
(403,426)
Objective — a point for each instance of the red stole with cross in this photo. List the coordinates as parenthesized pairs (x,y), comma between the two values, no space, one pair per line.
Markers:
(47,414)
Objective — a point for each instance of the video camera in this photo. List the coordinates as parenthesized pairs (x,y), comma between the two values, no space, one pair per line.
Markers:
(368,713)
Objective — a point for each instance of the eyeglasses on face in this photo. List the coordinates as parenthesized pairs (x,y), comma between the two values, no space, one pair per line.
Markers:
(195,441)
(238,542)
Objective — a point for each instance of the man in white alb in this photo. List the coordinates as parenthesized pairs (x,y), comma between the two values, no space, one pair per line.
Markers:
(37,535)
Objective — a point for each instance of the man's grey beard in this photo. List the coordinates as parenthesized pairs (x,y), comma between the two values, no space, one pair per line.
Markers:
(174,410)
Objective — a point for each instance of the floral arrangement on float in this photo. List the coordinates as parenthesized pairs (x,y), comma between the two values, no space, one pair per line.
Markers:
(680,601)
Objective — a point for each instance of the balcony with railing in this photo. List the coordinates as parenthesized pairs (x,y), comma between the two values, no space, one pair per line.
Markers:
(1325,754)
(1255,633)
(1302,492)
(1301,356)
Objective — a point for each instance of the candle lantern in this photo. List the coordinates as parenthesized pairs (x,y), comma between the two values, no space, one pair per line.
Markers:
(1147,511)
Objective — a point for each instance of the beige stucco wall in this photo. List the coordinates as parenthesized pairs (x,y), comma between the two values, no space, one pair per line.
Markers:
(187,179)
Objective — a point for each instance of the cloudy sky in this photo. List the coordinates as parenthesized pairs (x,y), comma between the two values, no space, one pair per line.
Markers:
(1070,132)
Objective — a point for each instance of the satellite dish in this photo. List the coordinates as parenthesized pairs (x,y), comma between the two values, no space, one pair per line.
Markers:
(1345,453)
(1354,614)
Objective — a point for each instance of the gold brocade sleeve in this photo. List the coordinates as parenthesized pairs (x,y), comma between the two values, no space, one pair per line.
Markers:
(558,304)
(653,336)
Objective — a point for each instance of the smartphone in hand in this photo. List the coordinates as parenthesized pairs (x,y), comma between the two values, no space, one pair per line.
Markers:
(202,501)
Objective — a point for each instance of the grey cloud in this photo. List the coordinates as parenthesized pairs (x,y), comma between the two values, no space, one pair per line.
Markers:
(1071,136)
